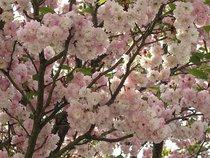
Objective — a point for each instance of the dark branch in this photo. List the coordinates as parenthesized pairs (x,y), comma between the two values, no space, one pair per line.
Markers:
(157,150)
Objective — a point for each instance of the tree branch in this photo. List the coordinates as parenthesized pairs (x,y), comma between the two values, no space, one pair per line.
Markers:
(64,56)
(128,66)
(38,114)
(17,88)
(112,140)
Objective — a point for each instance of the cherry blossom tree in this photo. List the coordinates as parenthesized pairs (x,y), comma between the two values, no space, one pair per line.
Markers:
(82,78)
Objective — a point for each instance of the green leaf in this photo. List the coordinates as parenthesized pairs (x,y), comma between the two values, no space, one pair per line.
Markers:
(102,2)
(88,9)
(196,58)
(192,149)
(165,152)
(65,67)
(198,73)
(201,49)
(24,100)
(200,55)
(172,6)
(207,56)
(45,10)
(69,77)
(207,28)
(207,69)
(85,71)
(110,75)
(35,77)
(29,95)
(208,130)
(191,121)
(207,2)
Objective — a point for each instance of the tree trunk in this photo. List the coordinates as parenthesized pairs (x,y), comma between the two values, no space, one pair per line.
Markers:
(157,150)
